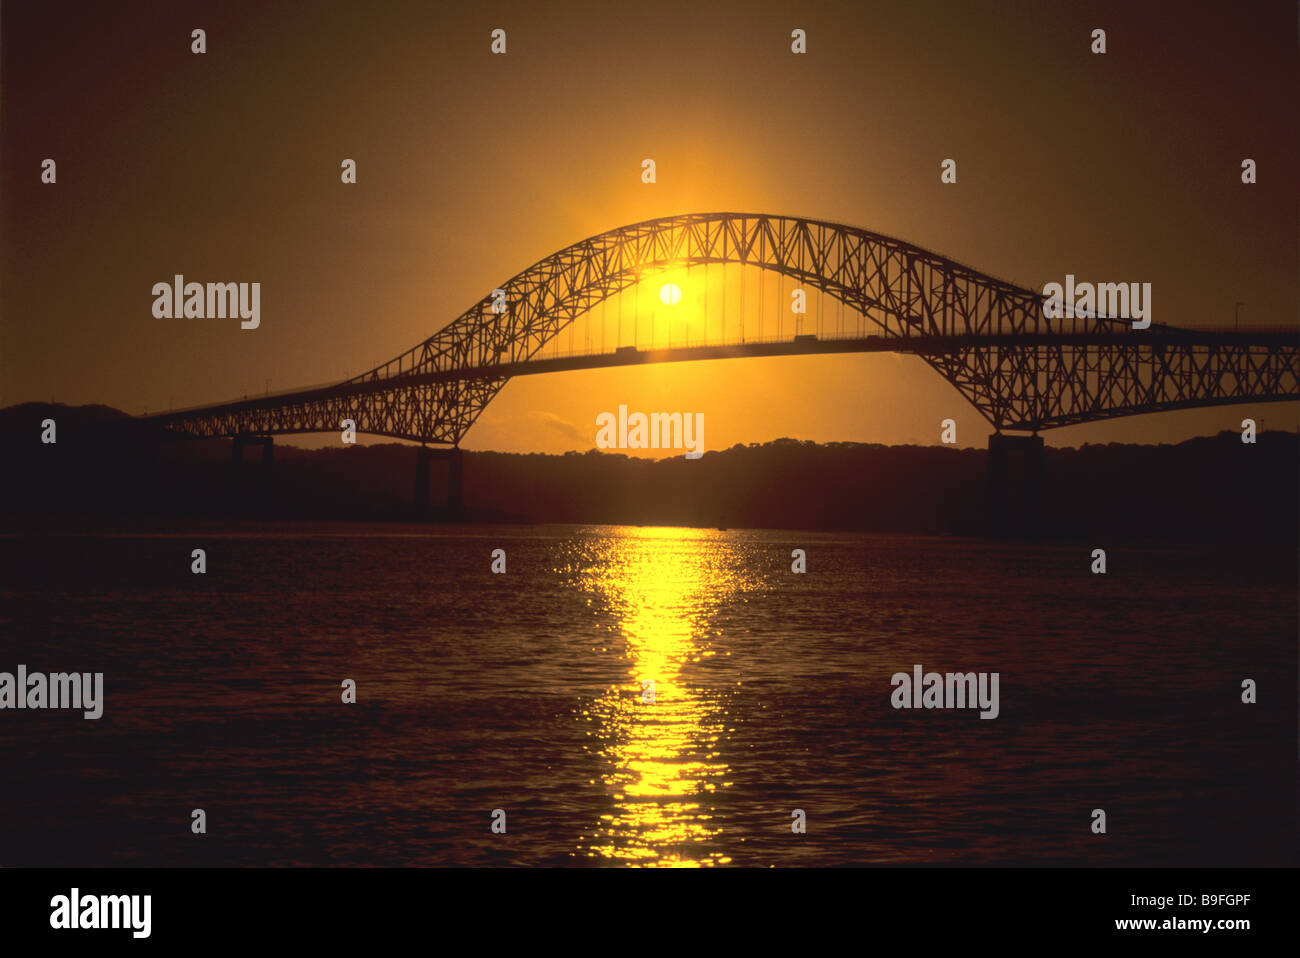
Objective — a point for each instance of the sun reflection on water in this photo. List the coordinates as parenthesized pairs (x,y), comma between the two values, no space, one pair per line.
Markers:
(661,755)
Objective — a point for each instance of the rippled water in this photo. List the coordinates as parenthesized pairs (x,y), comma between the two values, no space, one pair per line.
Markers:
(531,692)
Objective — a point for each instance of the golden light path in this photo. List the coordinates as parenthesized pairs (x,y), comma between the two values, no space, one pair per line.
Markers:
(661,741)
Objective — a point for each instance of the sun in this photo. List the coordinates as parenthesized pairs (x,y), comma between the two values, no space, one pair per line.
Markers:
(670,294)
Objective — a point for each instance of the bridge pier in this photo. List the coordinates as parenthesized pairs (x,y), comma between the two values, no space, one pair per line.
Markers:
(454,480)
(1015,486)
(452,457)
(265,486)
(150,474)
(268,471)
(421,499)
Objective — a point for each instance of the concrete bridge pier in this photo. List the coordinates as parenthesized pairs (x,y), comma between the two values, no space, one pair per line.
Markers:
(265,486)
(149,473)
(1015,486)
(450,455)
(455,481)
(268,471)
(421,500)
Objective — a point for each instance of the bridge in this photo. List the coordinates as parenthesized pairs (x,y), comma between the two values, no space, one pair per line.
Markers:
(1024,370)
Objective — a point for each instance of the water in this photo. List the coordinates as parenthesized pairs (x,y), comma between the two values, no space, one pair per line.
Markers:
(524,692)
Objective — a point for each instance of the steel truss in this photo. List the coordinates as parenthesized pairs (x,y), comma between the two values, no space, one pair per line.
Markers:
(990,339)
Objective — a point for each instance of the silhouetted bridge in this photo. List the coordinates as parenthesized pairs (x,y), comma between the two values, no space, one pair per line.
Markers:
(1023,370)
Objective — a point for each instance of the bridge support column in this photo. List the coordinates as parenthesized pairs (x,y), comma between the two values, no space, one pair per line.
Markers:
(268,473)
(236,470)
(455,481)
(265,488)
(152,473)
(421,500)
(1015,485)
(424,456)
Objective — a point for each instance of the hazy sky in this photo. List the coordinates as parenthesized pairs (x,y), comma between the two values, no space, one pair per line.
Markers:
(225,167)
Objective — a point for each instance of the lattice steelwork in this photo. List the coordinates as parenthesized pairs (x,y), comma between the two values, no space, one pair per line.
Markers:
(990,339)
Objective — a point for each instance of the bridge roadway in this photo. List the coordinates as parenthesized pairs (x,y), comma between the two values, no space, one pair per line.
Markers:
(804,345)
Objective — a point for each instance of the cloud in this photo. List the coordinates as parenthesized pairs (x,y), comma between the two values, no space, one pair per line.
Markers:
(562,426)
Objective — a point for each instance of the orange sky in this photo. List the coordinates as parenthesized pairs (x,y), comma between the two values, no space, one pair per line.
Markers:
(225,167)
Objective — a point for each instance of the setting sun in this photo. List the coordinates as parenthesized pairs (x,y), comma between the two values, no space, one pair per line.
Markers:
(670,294)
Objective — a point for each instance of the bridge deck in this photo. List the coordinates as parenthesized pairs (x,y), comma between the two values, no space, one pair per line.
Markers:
(800,345)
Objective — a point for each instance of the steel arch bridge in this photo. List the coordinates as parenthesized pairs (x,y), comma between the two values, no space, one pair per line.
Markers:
(990,339)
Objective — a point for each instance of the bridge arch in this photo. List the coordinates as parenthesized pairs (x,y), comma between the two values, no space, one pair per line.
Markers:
(906,291)
(1021,369)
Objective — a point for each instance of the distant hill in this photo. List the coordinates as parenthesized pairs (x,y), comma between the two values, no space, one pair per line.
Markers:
(19,420)
(1207,488)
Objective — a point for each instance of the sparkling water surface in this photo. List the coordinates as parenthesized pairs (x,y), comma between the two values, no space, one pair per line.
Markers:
(530,692)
